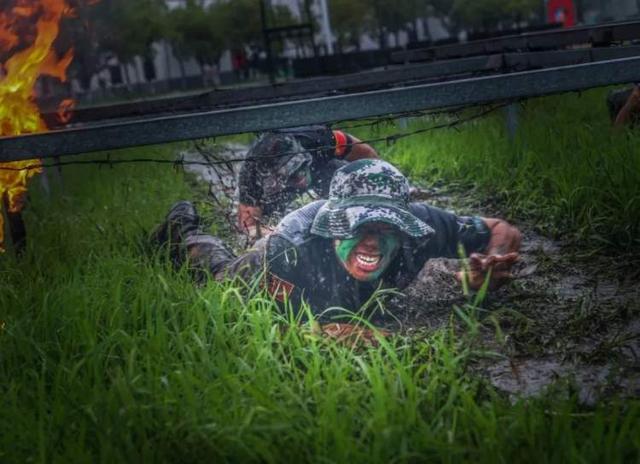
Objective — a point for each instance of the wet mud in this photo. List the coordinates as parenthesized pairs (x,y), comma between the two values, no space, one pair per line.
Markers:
(569,320)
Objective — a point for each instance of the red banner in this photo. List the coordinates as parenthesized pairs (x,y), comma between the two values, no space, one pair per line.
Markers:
(561,11)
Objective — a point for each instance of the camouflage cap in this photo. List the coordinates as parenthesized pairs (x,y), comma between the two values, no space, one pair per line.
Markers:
(285,156)
(367,191)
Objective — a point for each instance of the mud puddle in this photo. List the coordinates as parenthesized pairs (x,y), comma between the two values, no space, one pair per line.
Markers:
(566,321)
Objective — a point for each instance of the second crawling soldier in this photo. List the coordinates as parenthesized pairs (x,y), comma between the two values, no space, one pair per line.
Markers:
(284,164)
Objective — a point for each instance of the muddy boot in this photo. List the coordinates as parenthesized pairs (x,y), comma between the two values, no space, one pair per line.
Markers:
(182,234)
(181,222)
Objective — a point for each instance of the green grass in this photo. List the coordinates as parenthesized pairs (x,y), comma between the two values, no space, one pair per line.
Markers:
(567,170)
(108,355)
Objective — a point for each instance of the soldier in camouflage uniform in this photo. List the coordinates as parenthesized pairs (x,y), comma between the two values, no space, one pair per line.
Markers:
(337,252)
(312,155)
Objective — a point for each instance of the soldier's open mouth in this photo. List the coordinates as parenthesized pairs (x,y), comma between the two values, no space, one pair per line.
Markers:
(368,263)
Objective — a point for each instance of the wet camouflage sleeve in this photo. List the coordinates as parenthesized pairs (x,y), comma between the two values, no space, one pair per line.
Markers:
(249,266)
(473,234)
(469,231)
(285,280)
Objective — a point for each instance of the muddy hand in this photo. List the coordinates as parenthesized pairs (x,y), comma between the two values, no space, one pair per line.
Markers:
(480,265)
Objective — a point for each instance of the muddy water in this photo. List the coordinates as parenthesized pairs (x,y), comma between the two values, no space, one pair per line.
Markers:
(565,322)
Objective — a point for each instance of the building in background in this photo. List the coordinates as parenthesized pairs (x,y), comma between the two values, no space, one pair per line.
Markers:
(599,11)
(166,72)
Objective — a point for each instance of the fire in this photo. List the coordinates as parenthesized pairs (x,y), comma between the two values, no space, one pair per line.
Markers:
(19,113)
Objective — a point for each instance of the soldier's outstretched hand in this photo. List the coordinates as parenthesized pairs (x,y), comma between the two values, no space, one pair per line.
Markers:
(495,263)
(495,267)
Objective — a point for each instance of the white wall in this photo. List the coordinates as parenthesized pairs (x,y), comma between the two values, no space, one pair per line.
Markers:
(595,10)
(622,9)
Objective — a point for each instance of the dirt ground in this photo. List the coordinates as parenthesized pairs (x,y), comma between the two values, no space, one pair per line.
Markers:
(566,319)
(569,319)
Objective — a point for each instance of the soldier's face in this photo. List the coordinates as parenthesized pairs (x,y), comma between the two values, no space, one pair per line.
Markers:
(369,253)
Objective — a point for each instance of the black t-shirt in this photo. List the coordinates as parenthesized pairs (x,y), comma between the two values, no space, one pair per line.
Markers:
(304,267)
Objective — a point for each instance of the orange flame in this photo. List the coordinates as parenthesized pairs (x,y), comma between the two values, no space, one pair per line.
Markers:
(19,113)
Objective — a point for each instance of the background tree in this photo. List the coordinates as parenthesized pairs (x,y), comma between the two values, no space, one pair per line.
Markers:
(241,19)
(81,32)
(243,24)
(196,31)
(522,10)
(130,28)
(433,8)
(349,20)
(487,15)
(391,17)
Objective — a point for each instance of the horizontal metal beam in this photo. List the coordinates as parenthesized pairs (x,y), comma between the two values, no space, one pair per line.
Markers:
(553,58)
(464,92)
(261,94)
(601,35)
(371,80)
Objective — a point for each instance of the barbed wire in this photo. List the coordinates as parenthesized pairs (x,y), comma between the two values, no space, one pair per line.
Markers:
(181,161)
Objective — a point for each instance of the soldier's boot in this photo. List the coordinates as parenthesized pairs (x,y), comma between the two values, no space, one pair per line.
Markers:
(181,221)
(182,233)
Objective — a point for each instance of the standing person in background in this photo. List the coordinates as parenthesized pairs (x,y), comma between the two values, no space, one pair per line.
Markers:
(239,64)
(289,163)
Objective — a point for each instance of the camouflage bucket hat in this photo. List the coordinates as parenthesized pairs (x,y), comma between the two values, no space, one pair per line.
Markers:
(367,191)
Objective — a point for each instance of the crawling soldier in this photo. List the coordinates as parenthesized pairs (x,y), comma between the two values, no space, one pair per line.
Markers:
(337,252)
(291,162)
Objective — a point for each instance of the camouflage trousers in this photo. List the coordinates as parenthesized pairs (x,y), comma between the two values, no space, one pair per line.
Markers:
(208,256)
(182,236)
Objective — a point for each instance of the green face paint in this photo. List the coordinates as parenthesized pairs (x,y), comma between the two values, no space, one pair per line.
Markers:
(344,247)
(388,244)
